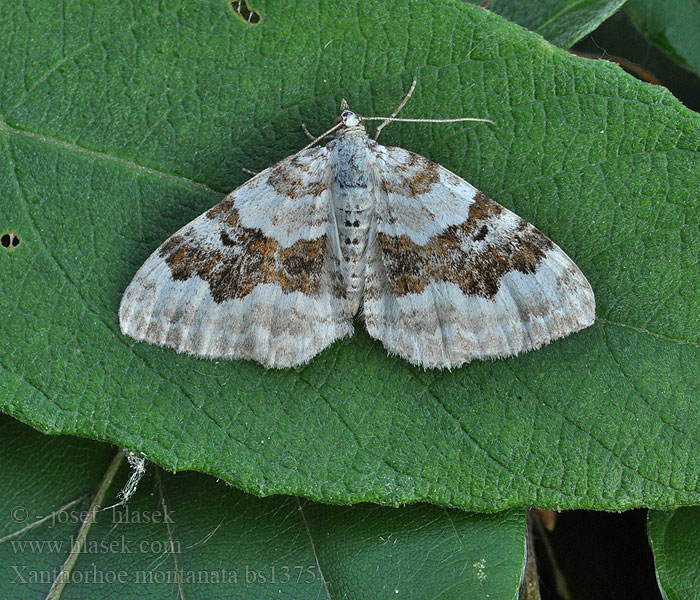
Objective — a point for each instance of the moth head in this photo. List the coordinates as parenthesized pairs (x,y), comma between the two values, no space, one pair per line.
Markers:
(348,118)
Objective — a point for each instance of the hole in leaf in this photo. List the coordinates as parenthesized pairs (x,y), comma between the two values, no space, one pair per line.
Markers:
(9,240)
(241,8)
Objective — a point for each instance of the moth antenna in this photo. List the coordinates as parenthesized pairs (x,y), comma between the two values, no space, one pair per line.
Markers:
(391,119)
(309,135)
(319,138)
(398,108)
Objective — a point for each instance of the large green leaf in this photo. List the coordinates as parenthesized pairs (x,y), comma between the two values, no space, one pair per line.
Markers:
(675,539)
(120,124)
(672,24)
(187,536)
(561,22)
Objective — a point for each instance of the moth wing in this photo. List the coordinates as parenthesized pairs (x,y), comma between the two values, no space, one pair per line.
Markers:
(255,277)
(453,276)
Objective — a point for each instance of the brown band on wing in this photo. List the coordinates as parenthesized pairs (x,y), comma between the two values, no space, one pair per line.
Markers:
(244,258)
(460,255)
(222,208)
(414,177)
(293,179)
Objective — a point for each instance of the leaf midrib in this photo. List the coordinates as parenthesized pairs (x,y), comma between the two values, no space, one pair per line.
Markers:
(123,162)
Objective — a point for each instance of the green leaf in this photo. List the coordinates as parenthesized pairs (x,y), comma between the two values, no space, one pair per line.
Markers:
(119,133)
(675,540)
(560,22)
(674,25)
(187,536)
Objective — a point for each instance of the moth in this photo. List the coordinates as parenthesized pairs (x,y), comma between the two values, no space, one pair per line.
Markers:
(276,272)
